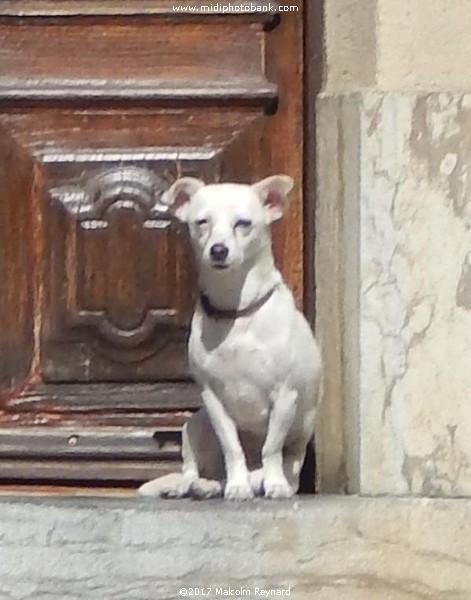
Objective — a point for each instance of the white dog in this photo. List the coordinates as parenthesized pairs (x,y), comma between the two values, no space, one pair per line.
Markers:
(250,349)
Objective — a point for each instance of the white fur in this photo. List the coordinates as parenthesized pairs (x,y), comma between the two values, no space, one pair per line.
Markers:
(259,373)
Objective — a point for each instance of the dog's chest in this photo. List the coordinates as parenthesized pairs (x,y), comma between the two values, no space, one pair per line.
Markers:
(238,357)
(240,367)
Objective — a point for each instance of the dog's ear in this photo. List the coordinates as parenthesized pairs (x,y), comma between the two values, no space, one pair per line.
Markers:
(179,194)
(273,193)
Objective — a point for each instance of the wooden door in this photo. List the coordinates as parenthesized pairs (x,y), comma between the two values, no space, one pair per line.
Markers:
(103,104)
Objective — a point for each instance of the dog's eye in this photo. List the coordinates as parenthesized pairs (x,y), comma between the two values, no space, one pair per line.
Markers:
(201,222)
(243,223)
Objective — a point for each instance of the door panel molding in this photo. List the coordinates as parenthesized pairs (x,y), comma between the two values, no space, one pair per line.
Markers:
(94,207)
(107,443)
(98,398)
(250,93)
(191,70)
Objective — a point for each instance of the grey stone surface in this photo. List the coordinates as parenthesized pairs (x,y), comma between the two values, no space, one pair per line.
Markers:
(325,548)
(393,289)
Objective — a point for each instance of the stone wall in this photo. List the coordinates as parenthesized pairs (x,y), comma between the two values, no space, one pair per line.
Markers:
(397,45)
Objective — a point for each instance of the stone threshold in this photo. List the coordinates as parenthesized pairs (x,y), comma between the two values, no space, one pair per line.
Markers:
(323,547)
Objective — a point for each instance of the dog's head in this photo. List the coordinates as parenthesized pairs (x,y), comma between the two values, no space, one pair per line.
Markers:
(228,222)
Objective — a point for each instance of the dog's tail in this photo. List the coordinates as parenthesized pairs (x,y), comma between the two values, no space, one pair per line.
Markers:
(174,485)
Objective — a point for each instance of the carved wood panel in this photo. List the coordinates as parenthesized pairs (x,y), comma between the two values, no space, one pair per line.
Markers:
(120,281)
(102,106)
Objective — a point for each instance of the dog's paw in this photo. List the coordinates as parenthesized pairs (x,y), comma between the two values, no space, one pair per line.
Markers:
(238,491)
(204,489)
(277,489)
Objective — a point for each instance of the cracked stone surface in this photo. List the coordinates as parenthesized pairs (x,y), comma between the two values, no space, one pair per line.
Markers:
(328,548)
(400,220)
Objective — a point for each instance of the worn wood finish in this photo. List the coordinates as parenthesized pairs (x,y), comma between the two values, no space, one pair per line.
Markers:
(102,398)
(143,444)
(112,313)
(17,264)
(47,131)
(103,105)
(283,133)
(71,489)
(135,48)
(80,453)
(85,471)
(128,420)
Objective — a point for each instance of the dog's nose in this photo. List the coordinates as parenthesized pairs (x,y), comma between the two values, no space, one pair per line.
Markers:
(219,252)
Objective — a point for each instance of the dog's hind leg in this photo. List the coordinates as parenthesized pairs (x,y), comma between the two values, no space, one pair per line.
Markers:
(177,485)
(202,471)
(203,465)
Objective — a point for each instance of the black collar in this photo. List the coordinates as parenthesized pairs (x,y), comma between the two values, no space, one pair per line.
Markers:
(218,313)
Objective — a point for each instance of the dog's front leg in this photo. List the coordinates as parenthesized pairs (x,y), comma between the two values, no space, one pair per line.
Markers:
(282,416)
(238,482)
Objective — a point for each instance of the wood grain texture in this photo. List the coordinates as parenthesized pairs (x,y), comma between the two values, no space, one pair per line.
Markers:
(71,489)
(103,210)
(120,295)
(97,399)
(108,444)
(106,418)
(48,130)
(16,266)
(108,60)
(103,471)
(284,134)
